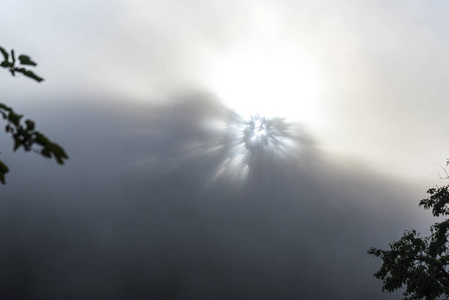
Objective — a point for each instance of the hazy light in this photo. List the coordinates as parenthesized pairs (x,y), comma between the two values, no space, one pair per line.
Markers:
(268,84)
(253,146)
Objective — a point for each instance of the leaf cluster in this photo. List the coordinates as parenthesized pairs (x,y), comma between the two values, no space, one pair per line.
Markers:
(419,264)
(23,133)
(10,62)
(26,137)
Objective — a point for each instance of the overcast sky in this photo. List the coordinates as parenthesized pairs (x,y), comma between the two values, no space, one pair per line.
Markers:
(220,149)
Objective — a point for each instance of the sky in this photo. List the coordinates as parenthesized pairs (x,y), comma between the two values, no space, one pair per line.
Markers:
(220,149)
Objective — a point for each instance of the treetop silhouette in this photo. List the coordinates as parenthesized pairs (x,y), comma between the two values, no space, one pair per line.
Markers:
(419,264)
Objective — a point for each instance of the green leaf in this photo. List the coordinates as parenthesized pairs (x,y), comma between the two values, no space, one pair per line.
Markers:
(45,152)
(30,74)
(33,76)
(14,118)
(3,170)
(26,60)
(5,107)
(41,139)
(30,125)
(5,54)
(17,143)
(6,64)
(13,56)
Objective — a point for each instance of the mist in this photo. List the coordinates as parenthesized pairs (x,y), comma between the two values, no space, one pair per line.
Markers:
(171,192)
(135,213)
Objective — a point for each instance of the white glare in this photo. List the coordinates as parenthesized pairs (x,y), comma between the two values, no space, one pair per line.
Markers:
(255,146)
(271,85)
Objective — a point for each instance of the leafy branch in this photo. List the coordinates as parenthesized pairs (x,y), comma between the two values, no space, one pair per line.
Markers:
(24,134)
(9,63)
(419,264)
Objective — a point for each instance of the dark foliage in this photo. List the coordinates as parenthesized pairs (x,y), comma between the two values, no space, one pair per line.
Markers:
(24,134)
(9,62)
(419,264)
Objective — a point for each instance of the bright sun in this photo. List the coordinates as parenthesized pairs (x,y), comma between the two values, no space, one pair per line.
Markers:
(269,85)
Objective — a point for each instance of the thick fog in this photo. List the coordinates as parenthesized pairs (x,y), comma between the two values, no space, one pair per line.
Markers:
(139,211)
(172,192)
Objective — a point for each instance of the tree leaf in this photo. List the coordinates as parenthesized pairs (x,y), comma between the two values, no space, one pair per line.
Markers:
(5,54)
(30,74)
(3,170)
(6,64)
(26,60)
(30,124)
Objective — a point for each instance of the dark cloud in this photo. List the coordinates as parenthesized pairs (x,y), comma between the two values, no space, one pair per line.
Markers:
(140,213)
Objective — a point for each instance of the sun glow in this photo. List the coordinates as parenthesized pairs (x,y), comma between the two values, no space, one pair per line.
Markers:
(269,94)
(256,147)
(268,85)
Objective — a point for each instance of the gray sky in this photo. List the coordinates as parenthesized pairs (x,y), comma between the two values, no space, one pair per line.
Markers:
(367,79)
(151,100)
